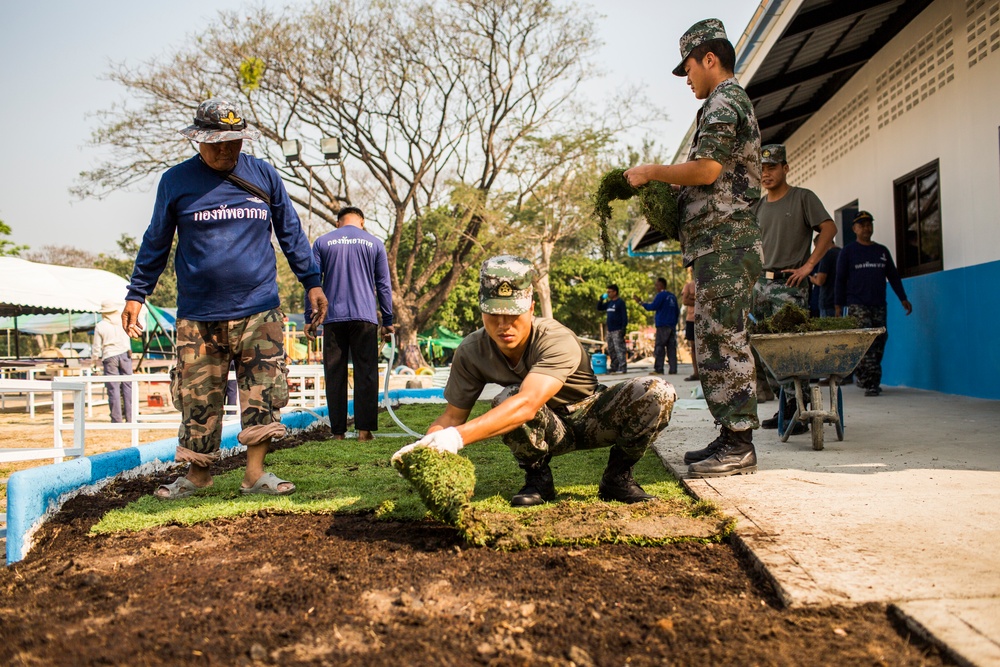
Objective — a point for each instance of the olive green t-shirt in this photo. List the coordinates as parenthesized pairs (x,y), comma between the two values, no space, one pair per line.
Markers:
(552,350)
(787,226)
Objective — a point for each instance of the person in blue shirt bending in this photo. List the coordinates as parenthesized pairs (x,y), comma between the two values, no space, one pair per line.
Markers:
(862,269)
(617,323)
(224,205)
(355,271)
(667,312)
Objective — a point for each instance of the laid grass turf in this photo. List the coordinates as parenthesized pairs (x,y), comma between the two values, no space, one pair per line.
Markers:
(351,476)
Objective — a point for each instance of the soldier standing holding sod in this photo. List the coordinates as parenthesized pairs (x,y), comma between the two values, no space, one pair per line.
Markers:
(720,238)
(551,403)
(224,205)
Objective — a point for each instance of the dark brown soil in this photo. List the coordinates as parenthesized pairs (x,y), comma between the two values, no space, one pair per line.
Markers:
(352,590)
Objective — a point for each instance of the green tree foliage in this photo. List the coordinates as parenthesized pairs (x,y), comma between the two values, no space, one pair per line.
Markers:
(9,248)
(578,283)
(122,261)
(290,290)
(251,73)
(460,312)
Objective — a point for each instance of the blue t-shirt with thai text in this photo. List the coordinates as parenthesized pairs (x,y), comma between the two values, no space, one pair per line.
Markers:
(355,271)
(861,274)
(226,266)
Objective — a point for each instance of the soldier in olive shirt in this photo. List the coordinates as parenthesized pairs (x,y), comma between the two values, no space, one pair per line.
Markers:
(551,403)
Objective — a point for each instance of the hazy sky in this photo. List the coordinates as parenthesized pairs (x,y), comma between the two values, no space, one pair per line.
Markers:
(55,53)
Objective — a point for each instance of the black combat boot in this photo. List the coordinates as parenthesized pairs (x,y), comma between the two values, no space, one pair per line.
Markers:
(617,482)
(538,485)
(790,406)
(702,454)
(735,457)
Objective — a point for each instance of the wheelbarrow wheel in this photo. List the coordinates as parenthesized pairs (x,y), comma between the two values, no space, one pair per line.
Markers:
(840,413)
(782,417)
(816,427)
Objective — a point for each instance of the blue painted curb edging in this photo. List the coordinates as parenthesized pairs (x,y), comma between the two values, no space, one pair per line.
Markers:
(35,494)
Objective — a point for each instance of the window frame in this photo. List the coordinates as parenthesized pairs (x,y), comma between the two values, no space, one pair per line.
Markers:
(899,197)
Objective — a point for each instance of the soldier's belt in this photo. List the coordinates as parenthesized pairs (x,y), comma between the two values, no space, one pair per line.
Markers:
(775,276)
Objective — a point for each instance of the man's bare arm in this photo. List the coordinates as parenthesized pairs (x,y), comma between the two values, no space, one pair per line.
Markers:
(703,171)
(536,390)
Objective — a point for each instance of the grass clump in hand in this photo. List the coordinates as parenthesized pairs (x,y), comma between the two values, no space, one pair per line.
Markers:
(444,481)
(657,202)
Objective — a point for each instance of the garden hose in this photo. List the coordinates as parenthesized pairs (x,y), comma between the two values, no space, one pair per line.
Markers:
(385,390)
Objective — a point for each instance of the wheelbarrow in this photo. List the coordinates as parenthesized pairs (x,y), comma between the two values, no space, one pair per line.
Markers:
(815,354)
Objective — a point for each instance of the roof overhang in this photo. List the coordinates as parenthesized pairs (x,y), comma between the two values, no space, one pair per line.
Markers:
(796,54)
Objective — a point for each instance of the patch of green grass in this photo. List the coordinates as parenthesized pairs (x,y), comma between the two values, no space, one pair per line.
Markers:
(350,476)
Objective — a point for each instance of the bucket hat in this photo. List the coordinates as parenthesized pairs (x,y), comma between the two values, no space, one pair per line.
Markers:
(110,306)
(219,120)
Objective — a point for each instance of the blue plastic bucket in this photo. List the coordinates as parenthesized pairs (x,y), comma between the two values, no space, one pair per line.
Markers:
(599,362)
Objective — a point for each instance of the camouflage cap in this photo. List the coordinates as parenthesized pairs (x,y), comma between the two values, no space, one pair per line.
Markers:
(219,120)
(696,35)
(863,217)
(773,154)
(505,285)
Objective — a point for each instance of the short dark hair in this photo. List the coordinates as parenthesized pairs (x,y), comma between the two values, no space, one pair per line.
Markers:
(661,280)
(723,50)
(347,210)
(614,287)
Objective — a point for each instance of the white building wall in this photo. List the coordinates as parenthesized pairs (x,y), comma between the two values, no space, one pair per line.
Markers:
(933,92)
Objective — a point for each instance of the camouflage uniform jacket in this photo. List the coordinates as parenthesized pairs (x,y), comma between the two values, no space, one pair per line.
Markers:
(718,216)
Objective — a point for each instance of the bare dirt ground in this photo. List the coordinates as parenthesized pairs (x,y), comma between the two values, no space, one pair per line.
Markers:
(352,590)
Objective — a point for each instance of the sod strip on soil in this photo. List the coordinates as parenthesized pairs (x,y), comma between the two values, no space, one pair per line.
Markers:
(349,476)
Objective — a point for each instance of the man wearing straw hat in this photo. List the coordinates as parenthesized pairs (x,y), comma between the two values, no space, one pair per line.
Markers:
(224,206)
(114,350)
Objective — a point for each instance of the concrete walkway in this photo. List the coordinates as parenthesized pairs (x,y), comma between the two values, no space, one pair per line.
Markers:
(904,511)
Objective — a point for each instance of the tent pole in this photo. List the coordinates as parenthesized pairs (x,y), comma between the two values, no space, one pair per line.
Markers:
(17,340)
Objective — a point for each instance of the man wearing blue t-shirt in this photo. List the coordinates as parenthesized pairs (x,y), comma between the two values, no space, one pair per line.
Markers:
(224,205)
(617,322)
(355,270)
(862,270)
(667,312)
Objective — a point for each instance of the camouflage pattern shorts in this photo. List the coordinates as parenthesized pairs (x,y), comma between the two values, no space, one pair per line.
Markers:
(723,296)
(629,415)
(198,380)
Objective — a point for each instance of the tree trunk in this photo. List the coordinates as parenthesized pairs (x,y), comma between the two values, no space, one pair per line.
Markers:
(543,294)
(543,288)
(407,350)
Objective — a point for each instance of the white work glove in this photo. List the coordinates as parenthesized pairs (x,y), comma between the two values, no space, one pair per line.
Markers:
(445,440)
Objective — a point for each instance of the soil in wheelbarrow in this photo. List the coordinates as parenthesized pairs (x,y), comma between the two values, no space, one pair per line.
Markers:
(354,590)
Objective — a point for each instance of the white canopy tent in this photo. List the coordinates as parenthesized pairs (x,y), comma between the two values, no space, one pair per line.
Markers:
(29,288)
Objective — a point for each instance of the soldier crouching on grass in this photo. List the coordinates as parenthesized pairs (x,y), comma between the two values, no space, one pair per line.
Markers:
(551,403)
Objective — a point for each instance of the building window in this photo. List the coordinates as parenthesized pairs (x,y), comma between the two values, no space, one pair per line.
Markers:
(918,221)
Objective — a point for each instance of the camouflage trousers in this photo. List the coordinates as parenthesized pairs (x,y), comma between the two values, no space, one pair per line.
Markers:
(869,371)
(769,297)
(628,415)
(723,282)
(198,380)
